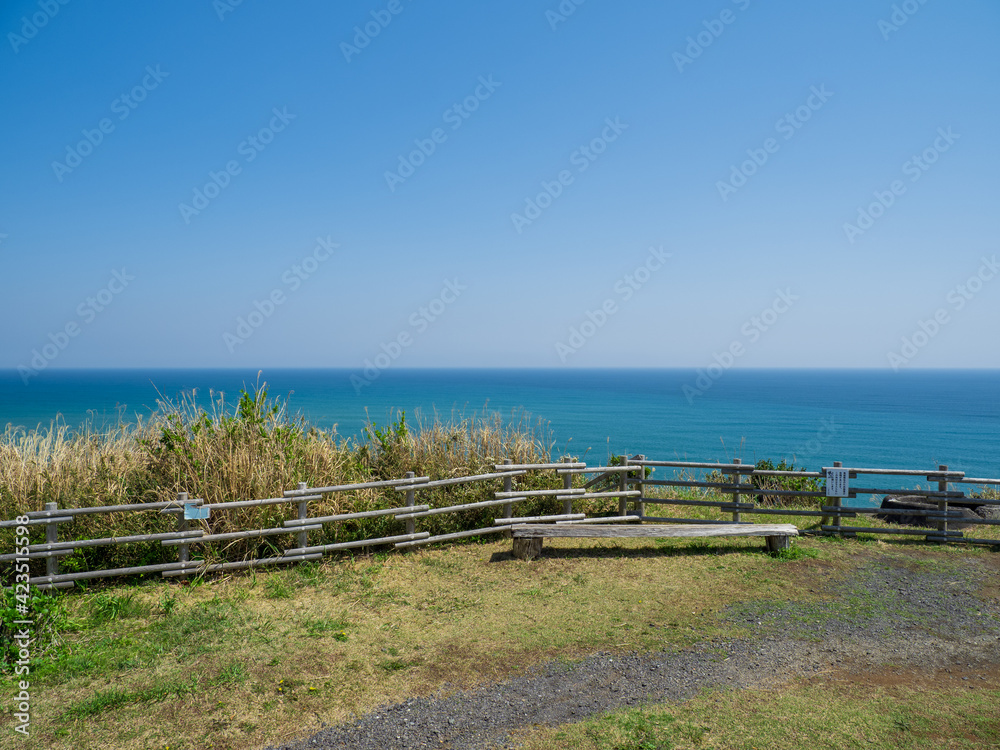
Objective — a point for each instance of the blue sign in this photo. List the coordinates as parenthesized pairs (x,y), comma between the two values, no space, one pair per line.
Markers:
(194,512)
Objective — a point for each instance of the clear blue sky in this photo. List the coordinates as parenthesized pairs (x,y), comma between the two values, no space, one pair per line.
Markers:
(834,100)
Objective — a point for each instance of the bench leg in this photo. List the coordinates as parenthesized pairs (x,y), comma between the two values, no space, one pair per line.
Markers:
(778,543)
(527,548)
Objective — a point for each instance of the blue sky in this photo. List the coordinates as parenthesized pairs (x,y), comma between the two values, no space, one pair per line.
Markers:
(512,184)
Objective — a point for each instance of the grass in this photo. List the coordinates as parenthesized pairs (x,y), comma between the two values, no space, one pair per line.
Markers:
(225,664)
(357,633)
(823,713)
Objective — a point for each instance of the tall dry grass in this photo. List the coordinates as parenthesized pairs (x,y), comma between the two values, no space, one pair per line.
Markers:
(249,450)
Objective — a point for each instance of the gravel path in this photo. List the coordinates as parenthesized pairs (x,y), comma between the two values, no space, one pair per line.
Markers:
(891,612)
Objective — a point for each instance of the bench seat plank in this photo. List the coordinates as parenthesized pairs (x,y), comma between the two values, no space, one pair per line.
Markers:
(654,531)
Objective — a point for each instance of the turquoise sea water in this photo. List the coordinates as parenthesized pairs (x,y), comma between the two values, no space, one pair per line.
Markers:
(908,420)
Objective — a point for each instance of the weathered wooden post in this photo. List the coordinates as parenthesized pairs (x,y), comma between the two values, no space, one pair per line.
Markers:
(736,493)
(303,536)
(411,498)
(943,503)
(51,537)
(836,502)
(508,486)
(182,526)
(623,488)
(639,504)
(567,485)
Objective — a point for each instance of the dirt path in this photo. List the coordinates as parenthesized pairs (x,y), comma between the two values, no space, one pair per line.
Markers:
(895,621)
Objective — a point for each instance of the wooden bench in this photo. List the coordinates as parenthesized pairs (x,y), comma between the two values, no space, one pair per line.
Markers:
(528,537)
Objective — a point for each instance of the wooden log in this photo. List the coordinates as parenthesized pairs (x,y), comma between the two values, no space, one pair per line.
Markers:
(359,543)
(356,486)
(723,504)
(242,565)
(591,495)
(62,577)
(952,475)
(607,519)
(456,535)
(100,509)
(256,503)
(37,521)
(352,516)
(458,480)
(457,508)
(778,543)
(253,534)
(559,465)
(527,548)
(742,468)
(540,493)
(596,469)
(563,517)
(71,545)
(698,521)
(654,532)
(864,530)
(37,555)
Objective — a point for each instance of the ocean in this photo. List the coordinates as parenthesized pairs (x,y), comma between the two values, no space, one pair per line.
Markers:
(865,418)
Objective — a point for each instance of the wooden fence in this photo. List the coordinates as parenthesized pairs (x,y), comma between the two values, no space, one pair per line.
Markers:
(633,492)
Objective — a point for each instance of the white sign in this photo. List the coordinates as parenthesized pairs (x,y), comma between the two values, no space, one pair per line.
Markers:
(836,483)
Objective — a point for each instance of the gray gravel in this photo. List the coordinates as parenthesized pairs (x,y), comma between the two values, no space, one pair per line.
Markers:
(891,612)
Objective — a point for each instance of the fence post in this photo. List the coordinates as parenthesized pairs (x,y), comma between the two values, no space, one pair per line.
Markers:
(567,485)
(508,486)
(943,505)
(836,501)
(737,518)
(639,504)
(623,487)
(51,537)
(411,495)
(182,526)
(303,513)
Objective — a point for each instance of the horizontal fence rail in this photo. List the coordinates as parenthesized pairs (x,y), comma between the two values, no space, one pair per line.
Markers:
(732,488)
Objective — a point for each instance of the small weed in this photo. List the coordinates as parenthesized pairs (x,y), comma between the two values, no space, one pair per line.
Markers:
(106,606)
(167,604)
(235,673)
(335,628)
(794,553)
(277,587)
(394,665)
